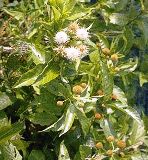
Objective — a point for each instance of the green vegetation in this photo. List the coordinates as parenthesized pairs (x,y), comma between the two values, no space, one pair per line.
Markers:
(69,72)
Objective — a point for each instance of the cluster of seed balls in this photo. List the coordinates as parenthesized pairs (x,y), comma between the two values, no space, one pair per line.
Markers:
(121,144)
(112,58)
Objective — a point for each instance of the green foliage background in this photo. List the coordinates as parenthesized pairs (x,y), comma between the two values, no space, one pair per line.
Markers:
(33,78)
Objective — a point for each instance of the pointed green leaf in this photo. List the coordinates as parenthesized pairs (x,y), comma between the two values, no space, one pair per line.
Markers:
(4,100)
(120,95)
(127,110)
(16,14)
(137,132)
(9,152)
(107,80)
(36,155)
(57,126)
(85,151)
(107,127)
(50,72)
(29,77)
(63,154)
(39,56)
(7,132)
(69,119)
(84,121)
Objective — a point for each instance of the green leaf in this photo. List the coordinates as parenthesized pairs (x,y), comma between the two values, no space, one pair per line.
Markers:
(16,14)
(29,77)
(84,121)
(1,4)
(9,152)
(129,67)
(63,153)
(46,102)
(107,128)
(69,5)
(137,132)
(77,14)
(143,78)
(94,56)
(85,151)
(69,119)
(5,101)
(120,95)
(119,18)
(139,156)
(33,32)
(58,89)
(57,13)
(42,118)
(21,145)
(7,132)
(144,26)
(3,119)
(36,155)
(128,38)
(103,41)
(107,80)
(127,110)
(57,126)
(49,73)
(37,54)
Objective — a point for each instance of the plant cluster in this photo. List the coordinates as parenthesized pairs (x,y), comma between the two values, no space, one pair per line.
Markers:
(69,74)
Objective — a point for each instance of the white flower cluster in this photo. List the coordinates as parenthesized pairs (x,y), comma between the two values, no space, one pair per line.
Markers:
(71,42)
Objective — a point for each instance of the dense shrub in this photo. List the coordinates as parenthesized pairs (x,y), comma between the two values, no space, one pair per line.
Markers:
(70,72)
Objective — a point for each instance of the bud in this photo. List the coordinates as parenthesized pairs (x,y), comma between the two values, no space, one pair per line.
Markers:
(109,152)
(100,93)
(81,104)
(106,51)
(60,103)
(121,144)
(73,27)
(117,69)
(103,105)
(99,145)
(83,85)
(114,97)
(98,116)
(1,72)
(77,89)
(122,154)
(110,138)
(98,44)
(114,57)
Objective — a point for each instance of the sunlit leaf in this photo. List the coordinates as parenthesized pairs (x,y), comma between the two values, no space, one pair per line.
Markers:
(7,132)
(37,54)
(9,152)
(63,153)
(5,101)
(36,154)
(84,121)
(107,80)
(69,119)
(16,14)
(29,77)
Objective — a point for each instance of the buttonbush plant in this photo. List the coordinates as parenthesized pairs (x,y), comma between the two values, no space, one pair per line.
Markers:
(70,72)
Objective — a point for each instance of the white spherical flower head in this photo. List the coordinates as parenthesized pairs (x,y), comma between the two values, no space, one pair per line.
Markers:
(61,37)
(82,33)
(72,53)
